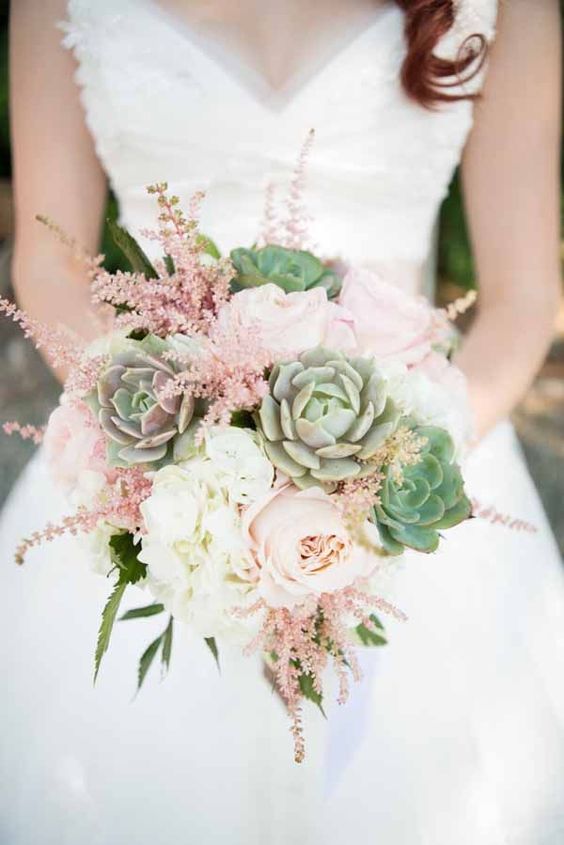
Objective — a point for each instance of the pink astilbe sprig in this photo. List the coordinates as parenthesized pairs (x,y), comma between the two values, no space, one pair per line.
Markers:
(303,641)
(205,285)
(357,496)
(119,503)
(227,368)
(296,223)
(26,432)
(62,347)
(78,252)
(81,521)
(83,378)
(460,305)
(189,287)
(270,228)
(123,497)
(154,305)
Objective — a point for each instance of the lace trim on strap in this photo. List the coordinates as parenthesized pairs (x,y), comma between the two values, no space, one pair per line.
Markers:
(473,17)
(86,28)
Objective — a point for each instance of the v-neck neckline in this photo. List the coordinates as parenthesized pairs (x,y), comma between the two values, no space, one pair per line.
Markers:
(250,80)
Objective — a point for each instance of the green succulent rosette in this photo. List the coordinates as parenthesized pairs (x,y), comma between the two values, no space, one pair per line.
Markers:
(290,269)
(324,416)
(427,497)
(138,418)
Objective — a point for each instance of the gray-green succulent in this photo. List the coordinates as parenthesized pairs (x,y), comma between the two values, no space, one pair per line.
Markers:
(290,269)
(324,416)
(428,497)
(138,418)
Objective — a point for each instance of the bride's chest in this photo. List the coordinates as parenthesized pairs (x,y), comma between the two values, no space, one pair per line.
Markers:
(150,88)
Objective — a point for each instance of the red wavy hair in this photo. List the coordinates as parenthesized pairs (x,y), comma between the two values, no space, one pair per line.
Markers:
(425,77)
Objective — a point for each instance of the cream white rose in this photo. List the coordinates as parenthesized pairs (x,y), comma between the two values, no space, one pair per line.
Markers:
(302,547)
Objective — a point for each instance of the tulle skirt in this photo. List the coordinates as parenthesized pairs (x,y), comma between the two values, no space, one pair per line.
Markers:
(455,734)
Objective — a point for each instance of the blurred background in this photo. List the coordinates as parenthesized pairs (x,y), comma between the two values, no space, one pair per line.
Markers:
(28,391)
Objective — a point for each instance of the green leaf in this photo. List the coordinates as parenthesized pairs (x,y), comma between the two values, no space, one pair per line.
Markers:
(140,612)
(106,625)
(308,691)
(458,513)
(369,637)
(210,247)
(146,659)
(167,645)
(132,251)
(123,553)
(391,546)
(242,419)
(169,264)
(212,645)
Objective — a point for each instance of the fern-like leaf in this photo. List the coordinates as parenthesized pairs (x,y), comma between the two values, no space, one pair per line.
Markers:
(369,636)
(132,251)
(308,691)
(146,659)
(106,625)
(212,645)
(142,612)
(167,645)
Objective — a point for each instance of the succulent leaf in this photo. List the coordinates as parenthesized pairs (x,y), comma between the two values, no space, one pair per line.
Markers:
(139,419)
(428,497)
(290,269)
(319,420)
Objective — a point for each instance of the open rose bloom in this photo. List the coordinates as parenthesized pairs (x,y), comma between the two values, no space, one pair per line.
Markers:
(254,442)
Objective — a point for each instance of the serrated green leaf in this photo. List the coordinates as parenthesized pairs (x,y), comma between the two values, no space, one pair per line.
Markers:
(132,251)
(109,614)
(141,612)
(212,645)
(167,645)
(369,637)
(308,691)
(123,553)
(146,659)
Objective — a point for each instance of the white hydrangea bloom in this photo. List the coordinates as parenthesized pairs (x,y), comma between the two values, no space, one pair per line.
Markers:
(236,453)
(443,403)
(95,545)
(198,565)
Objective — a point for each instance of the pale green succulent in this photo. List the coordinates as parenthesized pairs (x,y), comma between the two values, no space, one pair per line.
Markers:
(138,418)
(290,269)
(324,416)
(426,498)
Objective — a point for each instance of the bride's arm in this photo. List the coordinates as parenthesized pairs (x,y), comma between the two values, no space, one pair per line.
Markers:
(511,184)
(56,171)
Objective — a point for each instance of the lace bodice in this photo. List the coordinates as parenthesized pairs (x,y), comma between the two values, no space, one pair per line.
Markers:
(163,107)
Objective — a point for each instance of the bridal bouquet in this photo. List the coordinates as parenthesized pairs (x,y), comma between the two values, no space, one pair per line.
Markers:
(252,441)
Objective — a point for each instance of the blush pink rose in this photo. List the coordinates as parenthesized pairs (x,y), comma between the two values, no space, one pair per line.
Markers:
(388,321)
(302,547)
(287,323)
(340,333)
(74,443)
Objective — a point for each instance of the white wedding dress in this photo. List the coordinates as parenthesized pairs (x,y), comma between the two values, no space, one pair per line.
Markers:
(456,734)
